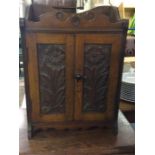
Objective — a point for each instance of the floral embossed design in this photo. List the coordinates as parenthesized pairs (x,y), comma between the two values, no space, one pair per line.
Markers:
(51,59)
(96,69)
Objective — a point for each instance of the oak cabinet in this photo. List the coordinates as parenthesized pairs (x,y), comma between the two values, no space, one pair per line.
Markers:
(73,68)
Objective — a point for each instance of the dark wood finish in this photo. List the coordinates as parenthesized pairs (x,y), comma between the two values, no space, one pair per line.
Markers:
(95,141)
(60,46)
(52,77)
(96,72)
(103,39)
(130,115)
(128,109)
(98,19)
(37,94)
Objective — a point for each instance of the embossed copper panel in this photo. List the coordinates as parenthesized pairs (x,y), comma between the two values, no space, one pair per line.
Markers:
(51,62)
(96,71)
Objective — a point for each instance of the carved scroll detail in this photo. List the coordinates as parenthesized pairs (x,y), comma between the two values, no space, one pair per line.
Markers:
(89,16)
(103,18)
(96,69)
(51,59)
(60,16)
(75,20)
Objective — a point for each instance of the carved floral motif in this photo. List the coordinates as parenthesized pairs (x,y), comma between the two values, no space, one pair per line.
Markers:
(52,78)
(96,69)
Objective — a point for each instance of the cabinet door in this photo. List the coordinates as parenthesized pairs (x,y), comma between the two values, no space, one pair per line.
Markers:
(97,73)
(51,83)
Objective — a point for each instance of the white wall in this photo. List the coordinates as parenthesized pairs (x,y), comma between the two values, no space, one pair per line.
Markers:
(126,2)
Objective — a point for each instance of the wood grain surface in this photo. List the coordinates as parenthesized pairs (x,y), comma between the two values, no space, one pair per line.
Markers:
(95,141)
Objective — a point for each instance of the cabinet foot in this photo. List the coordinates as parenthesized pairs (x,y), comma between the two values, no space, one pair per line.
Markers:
(30,131)
(115,128)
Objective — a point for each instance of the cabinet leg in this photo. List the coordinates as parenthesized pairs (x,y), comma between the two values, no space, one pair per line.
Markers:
(30,131)
(115,128)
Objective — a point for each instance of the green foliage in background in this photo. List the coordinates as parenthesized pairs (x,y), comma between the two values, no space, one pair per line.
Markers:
(132,26)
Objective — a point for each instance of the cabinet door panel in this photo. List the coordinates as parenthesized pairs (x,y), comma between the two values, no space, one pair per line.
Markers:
(97,61)
(96,71)
(51,62)
(51,72)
